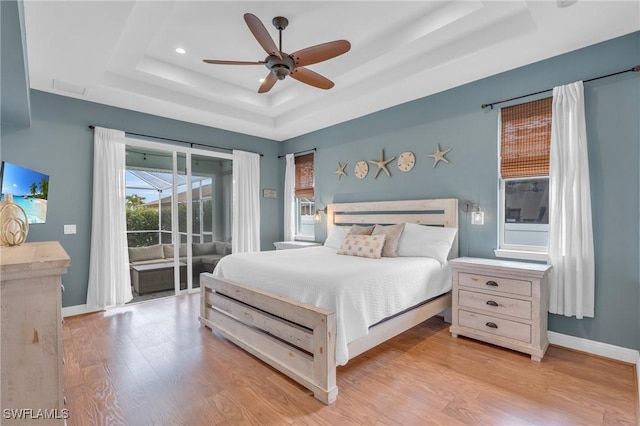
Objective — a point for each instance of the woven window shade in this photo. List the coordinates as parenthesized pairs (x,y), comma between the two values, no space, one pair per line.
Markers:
(525,139)
(304,176)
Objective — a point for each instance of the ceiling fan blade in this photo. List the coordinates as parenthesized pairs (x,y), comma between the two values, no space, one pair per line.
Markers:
(320,52)
(311,78)
(260,33)
(215,61)
(268,83)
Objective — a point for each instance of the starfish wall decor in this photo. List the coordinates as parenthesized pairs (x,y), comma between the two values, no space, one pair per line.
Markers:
(439,156)
(340,170)
(382,164)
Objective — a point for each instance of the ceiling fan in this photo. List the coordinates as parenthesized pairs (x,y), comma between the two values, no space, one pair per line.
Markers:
(282,64)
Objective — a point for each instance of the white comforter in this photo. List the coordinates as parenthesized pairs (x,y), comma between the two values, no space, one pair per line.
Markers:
(360,291)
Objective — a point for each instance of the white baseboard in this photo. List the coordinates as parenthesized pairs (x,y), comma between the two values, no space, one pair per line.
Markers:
(71,311)
(597,348)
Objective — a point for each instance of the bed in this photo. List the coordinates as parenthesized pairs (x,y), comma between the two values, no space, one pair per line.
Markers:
(307,333)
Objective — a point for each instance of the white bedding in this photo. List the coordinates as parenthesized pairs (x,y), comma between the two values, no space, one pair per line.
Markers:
(360,291)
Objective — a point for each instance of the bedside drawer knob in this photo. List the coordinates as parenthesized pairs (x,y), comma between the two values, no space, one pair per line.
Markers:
(491,303)
(492,283)
(491,325)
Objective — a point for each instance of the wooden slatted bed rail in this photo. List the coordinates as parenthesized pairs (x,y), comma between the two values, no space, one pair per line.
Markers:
(294,338)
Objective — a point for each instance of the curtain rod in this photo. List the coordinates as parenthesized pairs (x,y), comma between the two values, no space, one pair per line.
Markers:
(300,152)
(92,127)
(634,69)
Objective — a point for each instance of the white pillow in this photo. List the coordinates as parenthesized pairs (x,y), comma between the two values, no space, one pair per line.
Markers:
(336,236)
(426,241)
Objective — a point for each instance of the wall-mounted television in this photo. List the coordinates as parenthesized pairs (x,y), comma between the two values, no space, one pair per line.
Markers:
(30,190)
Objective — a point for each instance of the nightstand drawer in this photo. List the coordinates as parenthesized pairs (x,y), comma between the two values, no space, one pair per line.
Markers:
(497,326)
(493,303)
(503,285)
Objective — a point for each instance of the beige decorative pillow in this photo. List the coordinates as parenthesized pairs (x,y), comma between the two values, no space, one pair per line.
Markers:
(392,235)
(137,254)
(361,230)
(363,246)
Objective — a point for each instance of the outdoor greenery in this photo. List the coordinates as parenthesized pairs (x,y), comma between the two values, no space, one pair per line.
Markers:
(134,201)
(44,189)
(145,218)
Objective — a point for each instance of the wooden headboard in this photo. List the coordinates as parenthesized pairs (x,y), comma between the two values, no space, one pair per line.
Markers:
(437,212)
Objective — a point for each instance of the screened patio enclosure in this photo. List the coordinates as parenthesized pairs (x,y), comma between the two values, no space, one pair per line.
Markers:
(152,190)
(178,216)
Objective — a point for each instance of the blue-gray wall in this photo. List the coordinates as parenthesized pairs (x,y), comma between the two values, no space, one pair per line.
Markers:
(60,144)
(455,120)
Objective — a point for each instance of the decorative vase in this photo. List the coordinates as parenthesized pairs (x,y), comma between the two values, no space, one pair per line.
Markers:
(14,223)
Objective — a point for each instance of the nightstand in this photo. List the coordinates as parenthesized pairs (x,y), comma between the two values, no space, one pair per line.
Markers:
(501,302)
(287,245)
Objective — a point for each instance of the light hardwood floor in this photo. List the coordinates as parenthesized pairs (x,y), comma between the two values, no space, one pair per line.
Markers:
(152,363)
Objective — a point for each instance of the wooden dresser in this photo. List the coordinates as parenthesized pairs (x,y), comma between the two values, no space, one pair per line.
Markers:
(31,339)
(501,302)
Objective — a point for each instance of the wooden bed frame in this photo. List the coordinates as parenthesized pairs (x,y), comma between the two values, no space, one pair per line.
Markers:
(299,339)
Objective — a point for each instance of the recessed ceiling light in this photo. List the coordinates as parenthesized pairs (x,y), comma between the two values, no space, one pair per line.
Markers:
(181,51)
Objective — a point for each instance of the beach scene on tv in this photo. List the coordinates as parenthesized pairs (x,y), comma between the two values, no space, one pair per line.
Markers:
(30,190)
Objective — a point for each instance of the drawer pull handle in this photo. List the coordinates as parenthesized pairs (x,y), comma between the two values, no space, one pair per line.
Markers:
(491,325)
(492,283)
(491,303)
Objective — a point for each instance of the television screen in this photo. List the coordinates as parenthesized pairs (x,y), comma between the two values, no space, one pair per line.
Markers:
(30,190)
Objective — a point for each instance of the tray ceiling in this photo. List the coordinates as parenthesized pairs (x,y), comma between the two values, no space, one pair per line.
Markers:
(123,53)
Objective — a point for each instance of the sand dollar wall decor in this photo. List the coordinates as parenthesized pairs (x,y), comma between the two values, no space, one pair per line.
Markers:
(361,170)
(14,223)
(406,161)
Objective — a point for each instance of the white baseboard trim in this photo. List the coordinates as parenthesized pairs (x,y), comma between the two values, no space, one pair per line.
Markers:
(597,348)
(71,311)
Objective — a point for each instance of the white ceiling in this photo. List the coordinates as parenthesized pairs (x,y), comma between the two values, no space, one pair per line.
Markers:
(123,53)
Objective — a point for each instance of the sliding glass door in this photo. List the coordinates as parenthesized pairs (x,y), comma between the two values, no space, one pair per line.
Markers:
(178,216)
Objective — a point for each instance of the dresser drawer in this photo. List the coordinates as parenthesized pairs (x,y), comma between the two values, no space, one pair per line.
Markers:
(492,283)
(493,325)
(493,303)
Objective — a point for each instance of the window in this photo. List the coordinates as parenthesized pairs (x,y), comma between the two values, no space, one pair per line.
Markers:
(525,136)
(305,205)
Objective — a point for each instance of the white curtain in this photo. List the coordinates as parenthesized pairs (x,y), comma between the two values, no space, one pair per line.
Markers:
(109,280)
(246,202)
(572,278)
(289,198)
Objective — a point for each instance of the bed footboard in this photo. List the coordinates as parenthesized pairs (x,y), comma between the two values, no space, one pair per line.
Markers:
(295,338)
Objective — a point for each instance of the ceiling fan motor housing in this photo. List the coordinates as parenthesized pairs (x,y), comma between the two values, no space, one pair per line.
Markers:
(280,67)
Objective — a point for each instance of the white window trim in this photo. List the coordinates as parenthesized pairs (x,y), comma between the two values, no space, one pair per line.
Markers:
(522,254)
(513,251)
(302,237)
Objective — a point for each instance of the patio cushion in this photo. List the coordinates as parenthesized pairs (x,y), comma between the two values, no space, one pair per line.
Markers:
(200,249)
(168,250)
(137,254)
(223,248)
